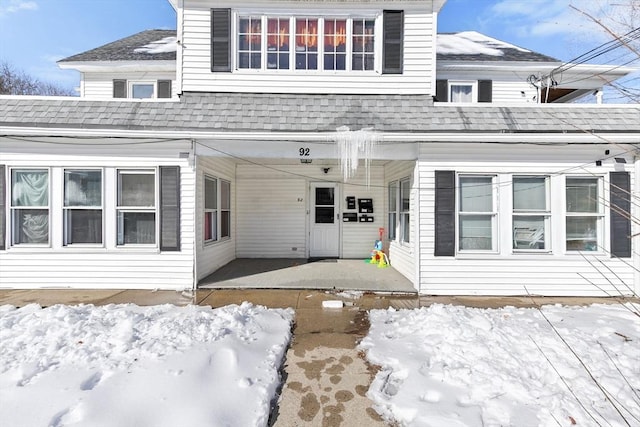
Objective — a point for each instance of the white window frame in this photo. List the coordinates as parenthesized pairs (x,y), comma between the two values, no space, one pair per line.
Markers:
(132,83)
(240,14)
(493,214)
(402,217)
(599,215)
(137,209)
(470,83)
(13,210)
(218,233)
(545,213)
(66,209)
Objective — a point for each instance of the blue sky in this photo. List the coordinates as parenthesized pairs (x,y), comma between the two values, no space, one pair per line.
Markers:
(34,34)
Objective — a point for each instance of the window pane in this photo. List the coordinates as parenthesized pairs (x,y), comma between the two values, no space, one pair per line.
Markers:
(405,189)
(461,93)
(82,188)
(250,42)
(210,226)
(142,90)
(582,195)
(31,226)
(324,196)
(335,41)
(225,226)
(528,232)
(225,195)
(393,196)
(475,232)
(210,193)
(363,44)
(392,226)
(306,44)
(83,226)
(476,194)
(529,194)
(136,228)
(582,233)
(278,43)
(324,215)
(136,189)
(405,226)
(30,188)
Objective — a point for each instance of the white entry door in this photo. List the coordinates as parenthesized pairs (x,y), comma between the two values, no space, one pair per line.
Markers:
(324,227)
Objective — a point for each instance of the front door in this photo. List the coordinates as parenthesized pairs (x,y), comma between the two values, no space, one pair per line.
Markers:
(324,228)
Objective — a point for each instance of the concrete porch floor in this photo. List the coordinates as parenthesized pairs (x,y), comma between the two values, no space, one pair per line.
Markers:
(299,273)
(325,377)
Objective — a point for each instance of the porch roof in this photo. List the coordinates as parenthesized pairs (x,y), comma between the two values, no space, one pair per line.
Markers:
(253,112)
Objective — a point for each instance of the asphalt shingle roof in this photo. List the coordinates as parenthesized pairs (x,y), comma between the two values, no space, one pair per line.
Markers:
(128,49)
(249,112)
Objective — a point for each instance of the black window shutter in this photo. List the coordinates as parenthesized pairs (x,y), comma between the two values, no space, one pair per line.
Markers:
(393,29)
(485,90)
(169,208)
(445,213)
(164,88)
(3,207)
(620,214)
(119,88)
(221,40)
(442,91)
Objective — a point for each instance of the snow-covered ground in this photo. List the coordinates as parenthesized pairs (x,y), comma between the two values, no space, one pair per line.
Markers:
(454,366)
(124,365)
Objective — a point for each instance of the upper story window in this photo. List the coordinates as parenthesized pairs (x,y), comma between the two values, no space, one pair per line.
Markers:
(464,91)
(141,89)
(305,43)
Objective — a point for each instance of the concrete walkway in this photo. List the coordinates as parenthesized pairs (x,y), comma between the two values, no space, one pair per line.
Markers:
(326,378)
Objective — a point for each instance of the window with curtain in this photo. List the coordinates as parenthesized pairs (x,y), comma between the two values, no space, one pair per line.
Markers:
(278,35)
(136,207)
(210,209)
(405,194)
(584,214)
(250,42)
(82,210)
(476,213)
(306,43)
(30,206)
(335,44)
(531,213)
(393,210)
(461,93)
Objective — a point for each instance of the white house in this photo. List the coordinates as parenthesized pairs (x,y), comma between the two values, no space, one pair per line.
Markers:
(155,180)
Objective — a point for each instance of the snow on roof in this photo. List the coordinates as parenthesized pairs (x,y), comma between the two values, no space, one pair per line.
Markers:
(472,43)
(167,44)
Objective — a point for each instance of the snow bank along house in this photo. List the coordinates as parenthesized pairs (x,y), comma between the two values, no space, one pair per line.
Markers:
(297,129)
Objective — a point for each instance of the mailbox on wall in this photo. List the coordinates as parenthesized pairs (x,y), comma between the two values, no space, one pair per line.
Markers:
(365,205)
(351,202)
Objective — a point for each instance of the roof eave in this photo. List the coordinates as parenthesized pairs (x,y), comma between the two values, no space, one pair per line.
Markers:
(119,66)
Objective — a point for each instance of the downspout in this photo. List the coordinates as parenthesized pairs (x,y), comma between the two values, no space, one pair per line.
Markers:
(416,208)
(193,160)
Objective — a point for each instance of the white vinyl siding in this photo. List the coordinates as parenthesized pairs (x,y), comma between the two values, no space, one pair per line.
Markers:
(212,256)
(416,78)
(402,255)
(106,266)
(511,272)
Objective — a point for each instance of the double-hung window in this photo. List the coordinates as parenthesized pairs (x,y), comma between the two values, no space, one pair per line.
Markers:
(136,207)
(278,43)
(217,209)
(393,209)
(82,209)
(250,42)
(477,213)
(462,92)
(30,206)
(531,214)
(584,214)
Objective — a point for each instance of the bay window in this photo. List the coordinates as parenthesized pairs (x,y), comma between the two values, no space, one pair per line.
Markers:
(476,214)
(30,206)
(136,207)
(531,214)
(82,209)
(584,214)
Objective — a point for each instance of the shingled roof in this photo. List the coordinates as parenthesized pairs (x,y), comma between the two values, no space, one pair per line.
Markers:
(149,45)
(473,46)
(247,112)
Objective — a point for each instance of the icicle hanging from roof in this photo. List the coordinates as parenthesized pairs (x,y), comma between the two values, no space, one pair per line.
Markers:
(353,145)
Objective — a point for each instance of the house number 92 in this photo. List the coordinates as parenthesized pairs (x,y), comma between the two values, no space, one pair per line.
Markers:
(304,152)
